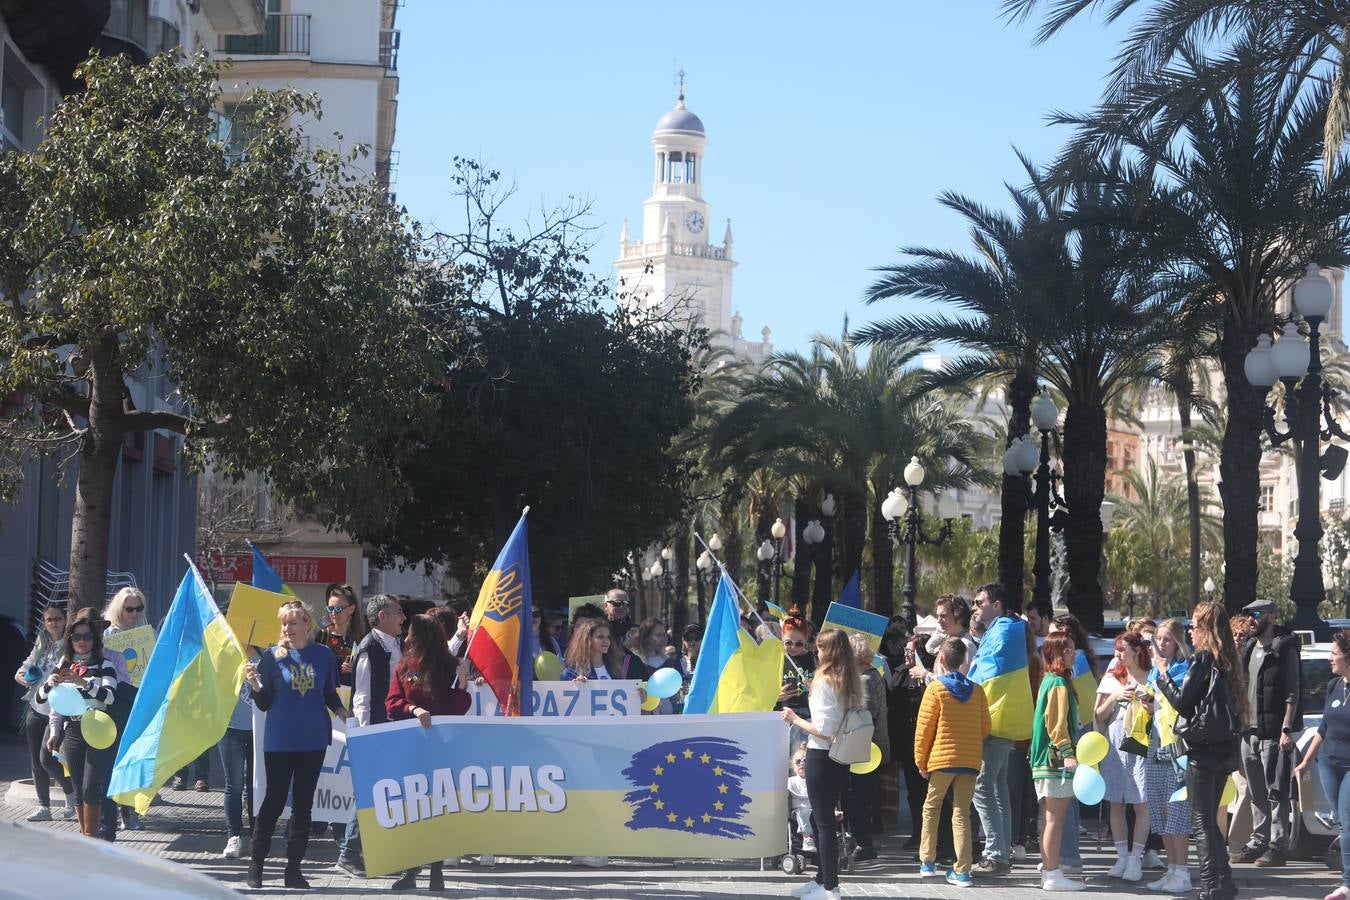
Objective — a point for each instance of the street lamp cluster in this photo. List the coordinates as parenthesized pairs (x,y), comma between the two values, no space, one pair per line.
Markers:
(1297,365)
(770,554)
(896,506)
(1021,459)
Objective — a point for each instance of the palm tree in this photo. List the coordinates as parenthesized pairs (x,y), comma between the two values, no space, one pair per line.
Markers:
(1227,191)
(1296,32)
(1000,321)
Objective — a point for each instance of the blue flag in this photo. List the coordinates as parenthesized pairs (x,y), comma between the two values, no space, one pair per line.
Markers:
(265,577)
(691,785)
(852,595)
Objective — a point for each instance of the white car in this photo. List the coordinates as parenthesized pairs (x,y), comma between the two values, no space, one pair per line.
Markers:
(40,864)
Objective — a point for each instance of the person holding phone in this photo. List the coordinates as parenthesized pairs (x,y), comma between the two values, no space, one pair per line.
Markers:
(1125,773)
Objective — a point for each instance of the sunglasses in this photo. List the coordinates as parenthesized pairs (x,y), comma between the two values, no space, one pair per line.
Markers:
(1256,614)
(133,609)
(336,610)
(82,636)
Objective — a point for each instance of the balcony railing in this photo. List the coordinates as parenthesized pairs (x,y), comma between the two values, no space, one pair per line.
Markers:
(637,249)
(287,34)
(389,40)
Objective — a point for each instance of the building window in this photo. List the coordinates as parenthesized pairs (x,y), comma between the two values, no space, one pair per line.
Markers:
(12,102)
(1267,498)
(675,170)
(689,168)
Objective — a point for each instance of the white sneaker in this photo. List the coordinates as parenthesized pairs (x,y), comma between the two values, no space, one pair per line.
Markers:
(1158,884)
(1058,882)
(1181,882)
(487,859)
(1118,869)
(40,814)
(1134,869)
(1019,853)
(67,811)
(1153,861)
(808,844)
(232,848)
(806,890)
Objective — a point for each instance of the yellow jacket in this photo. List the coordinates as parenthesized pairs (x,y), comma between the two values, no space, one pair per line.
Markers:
(950,732)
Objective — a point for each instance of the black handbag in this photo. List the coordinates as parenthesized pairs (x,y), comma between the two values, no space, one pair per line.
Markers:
(1215,718)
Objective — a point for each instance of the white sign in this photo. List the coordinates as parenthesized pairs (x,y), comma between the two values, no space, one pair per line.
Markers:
(568,698)
(333,796)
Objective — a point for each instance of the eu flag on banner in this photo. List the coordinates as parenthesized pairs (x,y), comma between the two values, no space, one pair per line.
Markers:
(692,785)
(501,618)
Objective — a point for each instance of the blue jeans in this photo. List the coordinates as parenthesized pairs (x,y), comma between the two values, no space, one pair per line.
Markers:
(236,760)
(1336,786)
(349,851)
(993,801)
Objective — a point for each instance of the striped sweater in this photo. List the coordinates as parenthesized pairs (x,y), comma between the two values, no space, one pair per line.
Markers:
(99,685)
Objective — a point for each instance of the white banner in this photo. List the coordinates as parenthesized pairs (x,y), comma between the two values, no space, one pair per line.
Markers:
(553,699)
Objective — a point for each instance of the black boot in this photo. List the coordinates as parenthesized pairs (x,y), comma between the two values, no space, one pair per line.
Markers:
(254,879)
(407,881)
(293,878)
(297,842)
(437,882)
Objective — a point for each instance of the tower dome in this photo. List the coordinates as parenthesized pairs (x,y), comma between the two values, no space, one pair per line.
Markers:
(680,121)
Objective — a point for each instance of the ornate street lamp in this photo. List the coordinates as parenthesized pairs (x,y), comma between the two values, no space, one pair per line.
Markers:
(706,575)
(897,505)
(1297,364)
(1044,416)
(770,554)
(1209,588)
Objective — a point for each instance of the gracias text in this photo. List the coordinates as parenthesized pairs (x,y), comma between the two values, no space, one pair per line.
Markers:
(473,789)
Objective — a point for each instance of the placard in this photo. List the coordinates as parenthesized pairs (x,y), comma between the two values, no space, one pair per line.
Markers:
(253,615)
(857,621)
(135,645)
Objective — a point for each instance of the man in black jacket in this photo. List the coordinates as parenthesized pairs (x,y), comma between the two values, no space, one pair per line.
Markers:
(373,664)
(1270,655)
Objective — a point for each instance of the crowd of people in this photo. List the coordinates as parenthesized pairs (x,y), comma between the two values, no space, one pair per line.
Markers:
(1179,705)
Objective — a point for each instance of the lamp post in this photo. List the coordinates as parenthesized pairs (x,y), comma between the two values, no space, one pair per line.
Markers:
(705,574)
(770,554)
(663,575)
(896,505)
(1044,416)
(1297,364)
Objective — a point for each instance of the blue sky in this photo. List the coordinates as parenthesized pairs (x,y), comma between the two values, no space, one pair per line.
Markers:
(831,128)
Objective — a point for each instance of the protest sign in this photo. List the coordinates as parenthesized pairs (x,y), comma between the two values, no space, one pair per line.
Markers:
(135,645)
(708,787)
(851,621)
(253,615)
(568,698)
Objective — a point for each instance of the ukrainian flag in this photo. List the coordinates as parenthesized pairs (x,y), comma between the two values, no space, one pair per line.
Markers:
(267,578)
(1001,667)
(1084,682)
(733,673)
(189,690)
(498,643)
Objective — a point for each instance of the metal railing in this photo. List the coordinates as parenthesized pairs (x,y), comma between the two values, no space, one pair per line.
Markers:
(287,34)
(51,584)
(389,40)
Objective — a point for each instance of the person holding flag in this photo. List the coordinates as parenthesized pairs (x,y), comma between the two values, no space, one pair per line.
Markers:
(733,673)
(499,647)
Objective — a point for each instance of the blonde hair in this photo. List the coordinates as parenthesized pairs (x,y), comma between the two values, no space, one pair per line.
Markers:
(112,613)
(1177,632)
(287,612)
(862,651)
(839,667)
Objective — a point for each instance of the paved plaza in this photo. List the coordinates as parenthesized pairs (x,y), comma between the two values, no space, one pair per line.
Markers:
(189,827)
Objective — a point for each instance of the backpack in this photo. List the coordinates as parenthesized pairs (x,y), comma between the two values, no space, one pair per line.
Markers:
(852,743)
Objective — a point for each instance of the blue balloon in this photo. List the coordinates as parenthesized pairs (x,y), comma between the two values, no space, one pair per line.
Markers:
(1181,762)
(67,700)
(664,683)
(32,675)
(1088,785)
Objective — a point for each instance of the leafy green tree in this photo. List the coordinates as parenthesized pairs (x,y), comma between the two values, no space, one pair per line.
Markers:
(273,288)
(553,400)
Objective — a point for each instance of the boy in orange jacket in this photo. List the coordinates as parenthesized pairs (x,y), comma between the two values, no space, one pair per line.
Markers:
(948,742)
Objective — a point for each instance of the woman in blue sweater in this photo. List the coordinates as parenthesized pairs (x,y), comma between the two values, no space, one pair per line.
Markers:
(1330,751)
(296,682)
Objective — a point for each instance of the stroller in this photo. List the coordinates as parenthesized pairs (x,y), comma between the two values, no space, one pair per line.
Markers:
(794,861)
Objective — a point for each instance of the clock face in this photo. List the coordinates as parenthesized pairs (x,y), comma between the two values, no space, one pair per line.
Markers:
(694,222)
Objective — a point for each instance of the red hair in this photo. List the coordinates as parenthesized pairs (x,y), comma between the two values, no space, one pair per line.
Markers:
(1053,651)
(796,622)
(1131,640)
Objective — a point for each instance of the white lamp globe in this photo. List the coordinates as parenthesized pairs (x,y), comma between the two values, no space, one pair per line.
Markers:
(1258,366)
(715,544)
(914,472)
(1313,294)
(1108,512)
(1290,353)
(765,551)
(657,569)
(947,506)
(895,504)
(778,530)
(1209,585)
(828,505)
(1030,455)
(1044,415)
(704,561)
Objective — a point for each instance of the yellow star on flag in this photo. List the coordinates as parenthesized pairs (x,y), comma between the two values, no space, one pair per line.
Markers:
(671,817)
(660,804)
(717,805)
(659,770)
(654,787)
(721,789)
(706,818)
(688,754)
(705,759)
(717,770)
(688,822)
(670,757)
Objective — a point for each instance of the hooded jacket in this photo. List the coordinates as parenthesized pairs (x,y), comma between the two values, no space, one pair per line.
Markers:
(1277,683)
(952,724)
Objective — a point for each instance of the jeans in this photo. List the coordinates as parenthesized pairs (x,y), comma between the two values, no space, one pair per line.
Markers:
(236,761)
(89,767)
(962,787)
(349,851)
(297,773)
(1336,787)
(1021,796)
(858,798)
(1205,779)
(825,781)
(1270,821)
(993,801)
(44,767)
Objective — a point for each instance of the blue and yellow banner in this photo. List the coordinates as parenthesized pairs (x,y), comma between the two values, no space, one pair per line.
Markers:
(501,618)
(733,674)
(1084,686)
(1001,668)
(852,620)
(708,787)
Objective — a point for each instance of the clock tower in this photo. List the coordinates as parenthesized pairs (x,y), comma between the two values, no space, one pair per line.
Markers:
(673,267)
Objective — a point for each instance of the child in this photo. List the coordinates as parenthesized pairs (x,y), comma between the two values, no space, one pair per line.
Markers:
(953,722)
(797,799)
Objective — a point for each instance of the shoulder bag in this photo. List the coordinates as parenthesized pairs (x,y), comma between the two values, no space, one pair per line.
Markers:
(1215,718)
(852,743)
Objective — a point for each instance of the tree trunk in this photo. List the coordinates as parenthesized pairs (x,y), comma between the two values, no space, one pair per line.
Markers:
(680,614)
(824,587)
(100,450)
(804,560)
(1084,487)
(1184,390)
(729,520)
(1012,497)
(883,557)
(1240,467)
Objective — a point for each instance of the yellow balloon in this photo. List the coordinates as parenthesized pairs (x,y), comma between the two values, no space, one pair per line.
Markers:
(873,761)
(1229,792)
(98,729)
(547,666)
(651,703)
(1092,749)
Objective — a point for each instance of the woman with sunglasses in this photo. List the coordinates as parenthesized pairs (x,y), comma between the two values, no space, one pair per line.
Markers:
(124,612)
(85,665)
(39,665)
(343,628)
